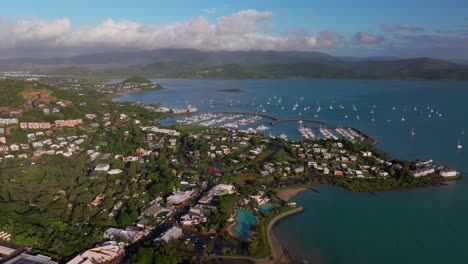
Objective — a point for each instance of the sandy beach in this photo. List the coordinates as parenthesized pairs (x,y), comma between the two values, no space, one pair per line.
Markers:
(288,193)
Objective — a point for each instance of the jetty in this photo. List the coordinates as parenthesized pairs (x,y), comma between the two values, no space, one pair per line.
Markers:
(247,113)
(370,139)
(274,120)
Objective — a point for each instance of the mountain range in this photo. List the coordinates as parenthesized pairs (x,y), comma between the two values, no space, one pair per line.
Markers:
(189,63)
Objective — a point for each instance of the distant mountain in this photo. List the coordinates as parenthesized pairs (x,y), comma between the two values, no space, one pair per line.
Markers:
(189,56)
(189,63)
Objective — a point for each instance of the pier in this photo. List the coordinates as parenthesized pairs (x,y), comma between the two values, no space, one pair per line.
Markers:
(247,113)
(305,120)
(274,120)
(371,140)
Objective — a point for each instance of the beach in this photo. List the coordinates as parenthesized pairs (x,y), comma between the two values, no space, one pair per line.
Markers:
(288,193)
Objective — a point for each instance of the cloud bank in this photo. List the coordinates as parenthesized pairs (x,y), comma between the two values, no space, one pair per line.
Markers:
(243,30)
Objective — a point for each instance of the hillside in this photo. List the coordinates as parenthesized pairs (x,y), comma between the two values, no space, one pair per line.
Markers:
(188,63)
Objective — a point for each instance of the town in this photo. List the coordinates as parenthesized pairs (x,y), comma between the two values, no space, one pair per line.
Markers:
(112,184)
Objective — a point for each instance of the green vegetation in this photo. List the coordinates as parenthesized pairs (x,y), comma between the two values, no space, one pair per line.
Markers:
(173,63)
(10,91)
(137,80)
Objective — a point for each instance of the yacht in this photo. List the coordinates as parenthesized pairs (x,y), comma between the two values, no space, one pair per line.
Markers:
(412,132)
(459,145)
(403,119)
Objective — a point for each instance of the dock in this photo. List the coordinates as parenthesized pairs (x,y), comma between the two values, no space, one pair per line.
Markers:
(274,120)
(370,139)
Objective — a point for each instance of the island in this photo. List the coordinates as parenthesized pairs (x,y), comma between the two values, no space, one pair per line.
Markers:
(81,176)
(231,90)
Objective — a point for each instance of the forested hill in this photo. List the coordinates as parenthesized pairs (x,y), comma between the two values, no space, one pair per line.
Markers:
(187,63)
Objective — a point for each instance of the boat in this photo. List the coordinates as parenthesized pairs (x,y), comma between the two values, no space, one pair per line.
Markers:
(403,119)
(459,145)
(262,128)
(412,132)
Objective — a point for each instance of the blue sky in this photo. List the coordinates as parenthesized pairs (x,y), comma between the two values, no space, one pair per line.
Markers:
(414,28)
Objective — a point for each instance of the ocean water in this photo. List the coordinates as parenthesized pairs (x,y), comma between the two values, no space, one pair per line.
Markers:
(426,225)
(245,220)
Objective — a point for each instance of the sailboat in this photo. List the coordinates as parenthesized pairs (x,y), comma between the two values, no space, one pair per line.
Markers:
(459,145)
(412,132)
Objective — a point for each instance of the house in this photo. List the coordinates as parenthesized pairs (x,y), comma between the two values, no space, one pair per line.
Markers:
(143,222)
(298,168)
(153,210)
(169,235)
(103,253)
(338,173)
(2,140)
(366,153)
(114,171)
(26,258)
(128,235)
(102,167)
(14,147)
(4,149)
(423,172)
(180,197)
(173,141)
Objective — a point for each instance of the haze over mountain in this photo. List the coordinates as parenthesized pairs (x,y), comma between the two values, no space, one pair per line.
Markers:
(191,63)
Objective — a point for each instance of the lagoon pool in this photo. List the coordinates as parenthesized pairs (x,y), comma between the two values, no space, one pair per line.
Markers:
(266,208)
(245,220)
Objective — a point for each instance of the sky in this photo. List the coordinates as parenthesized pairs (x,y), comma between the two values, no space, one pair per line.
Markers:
(414,28)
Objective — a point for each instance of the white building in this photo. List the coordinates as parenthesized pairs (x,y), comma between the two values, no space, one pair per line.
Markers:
(169,235)
(448,173)
(102,167)
(423,172)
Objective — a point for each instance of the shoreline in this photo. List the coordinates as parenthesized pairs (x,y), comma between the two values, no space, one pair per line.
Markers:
(288,193)
(278,251)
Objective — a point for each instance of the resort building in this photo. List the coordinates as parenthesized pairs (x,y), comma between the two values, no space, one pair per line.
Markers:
(448,173)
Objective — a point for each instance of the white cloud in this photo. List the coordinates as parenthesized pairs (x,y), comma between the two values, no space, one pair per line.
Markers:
(364,38)
(242,30)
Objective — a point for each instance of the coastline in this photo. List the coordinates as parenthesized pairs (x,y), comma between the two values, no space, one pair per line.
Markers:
(278,252)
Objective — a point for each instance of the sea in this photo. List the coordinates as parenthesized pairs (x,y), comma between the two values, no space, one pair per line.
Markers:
(422,225)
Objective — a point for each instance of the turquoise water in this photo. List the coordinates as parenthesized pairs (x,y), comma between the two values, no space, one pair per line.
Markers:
(426,225)
(245,220)
(266,208)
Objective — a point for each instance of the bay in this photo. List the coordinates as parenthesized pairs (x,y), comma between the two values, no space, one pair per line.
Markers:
(426,225)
